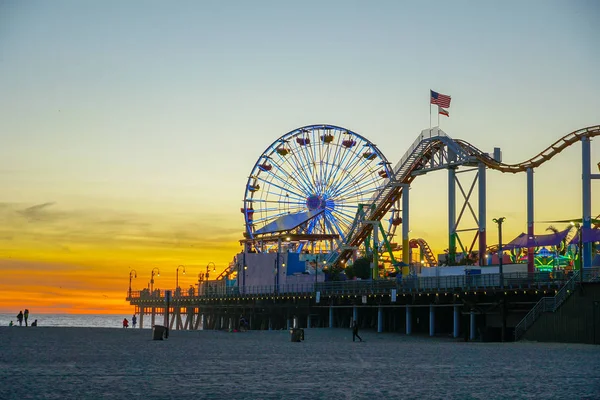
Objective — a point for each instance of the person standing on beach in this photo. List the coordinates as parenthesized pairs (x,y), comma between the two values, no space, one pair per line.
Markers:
(20,318)
(355,331)
(125,323)
(133,320)
(26,315)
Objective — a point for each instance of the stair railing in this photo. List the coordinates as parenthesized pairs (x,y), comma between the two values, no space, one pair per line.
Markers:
(546,304)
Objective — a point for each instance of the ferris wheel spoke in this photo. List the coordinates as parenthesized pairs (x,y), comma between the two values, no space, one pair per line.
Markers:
(286,190)
(337,171)
(364,194)
(310,226)
(327,163)
(322,148)
(292,173)
(352,159)
(334,227)
(322,161)
(286,182)
(346,159)
(300,184)
(314,147)
(281,201)
(301,171)
(341,216)
(354,187)
(290,194)
(357,181)
(347,208)
(361,174)
(331,161)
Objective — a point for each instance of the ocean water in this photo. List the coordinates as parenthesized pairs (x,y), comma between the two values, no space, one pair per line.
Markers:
(72,320)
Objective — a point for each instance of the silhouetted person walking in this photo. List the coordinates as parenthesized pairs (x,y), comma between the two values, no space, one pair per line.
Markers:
(355,331)
(20,318)
(26,315)
(133,320)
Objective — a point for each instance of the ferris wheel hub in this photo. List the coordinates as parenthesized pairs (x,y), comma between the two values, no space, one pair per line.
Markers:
(316,202)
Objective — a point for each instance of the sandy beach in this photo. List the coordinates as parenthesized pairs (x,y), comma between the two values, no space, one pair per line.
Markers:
(93,363)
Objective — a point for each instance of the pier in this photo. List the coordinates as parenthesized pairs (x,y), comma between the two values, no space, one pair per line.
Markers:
(486,307)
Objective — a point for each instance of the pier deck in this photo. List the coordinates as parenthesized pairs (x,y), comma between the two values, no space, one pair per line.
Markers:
(440,305)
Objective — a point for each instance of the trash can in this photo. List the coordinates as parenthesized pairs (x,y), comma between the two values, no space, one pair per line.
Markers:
(158,331)
(296,334)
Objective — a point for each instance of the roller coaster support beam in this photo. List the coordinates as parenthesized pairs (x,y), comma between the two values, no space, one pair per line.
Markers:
(482,215)
(530,224)
(277,266)
(586,175)
(405,224)
(375,271)
(451,215)
(375,249)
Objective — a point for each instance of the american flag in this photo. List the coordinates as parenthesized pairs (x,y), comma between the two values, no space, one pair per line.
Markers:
(440,99)
(443,112)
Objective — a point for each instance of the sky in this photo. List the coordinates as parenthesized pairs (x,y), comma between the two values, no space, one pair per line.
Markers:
(128,129)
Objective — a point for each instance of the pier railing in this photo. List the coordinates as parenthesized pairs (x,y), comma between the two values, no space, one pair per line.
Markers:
(407,285)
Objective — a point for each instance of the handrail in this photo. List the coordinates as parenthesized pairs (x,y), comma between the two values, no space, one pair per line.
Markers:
(546,304)
(453,283)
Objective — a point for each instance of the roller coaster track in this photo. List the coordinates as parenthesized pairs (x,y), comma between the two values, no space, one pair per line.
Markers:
(419,154)
(426,250)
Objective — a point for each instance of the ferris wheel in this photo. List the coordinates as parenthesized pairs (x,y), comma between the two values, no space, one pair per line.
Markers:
(312,180)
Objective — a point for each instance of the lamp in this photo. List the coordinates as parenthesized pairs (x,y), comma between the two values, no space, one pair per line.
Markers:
(207,267)
(177,276)
(130,276)
(499,221)
(152,278)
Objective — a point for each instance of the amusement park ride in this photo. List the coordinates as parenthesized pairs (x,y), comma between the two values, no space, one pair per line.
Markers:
(326,192)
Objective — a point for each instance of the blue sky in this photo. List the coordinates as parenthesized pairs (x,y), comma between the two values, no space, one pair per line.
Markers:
(159,110)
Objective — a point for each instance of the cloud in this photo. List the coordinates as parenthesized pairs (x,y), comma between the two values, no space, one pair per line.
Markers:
(38,212)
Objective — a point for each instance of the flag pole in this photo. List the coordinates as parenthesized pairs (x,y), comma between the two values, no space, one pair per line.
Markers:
(438,117)
(429,112)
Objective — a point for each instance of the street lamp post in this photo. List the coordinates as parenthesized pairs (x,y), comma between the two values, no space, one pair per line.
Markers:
(207,274)
(177,276)
(275,273)
(499,221)
(132,274)
(200,279)
(152,278)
